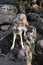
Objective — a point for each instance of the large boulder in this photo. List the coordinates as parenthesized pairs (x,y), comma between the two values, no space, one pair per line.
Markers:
(37,21)
(39,47)
(33,17)
(7,13)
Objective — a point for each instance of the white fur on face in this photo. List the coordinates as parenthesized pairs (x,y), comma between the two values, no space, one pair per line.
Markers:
(19,22)
(21,17)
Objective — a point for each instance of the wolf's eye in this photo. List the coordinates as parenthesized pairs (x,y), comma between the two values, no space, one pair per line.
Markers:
(20,19)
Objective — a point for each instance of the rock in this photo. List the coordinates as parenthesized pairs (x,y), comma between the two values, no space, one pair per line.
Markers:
(41,15)
(5,27)
(21,55)
(25,54)
(39,47)
(35,6)
(31,34)
(30,39)
(7,13)
(12,55)
(41,4)
(36,21)
(2,1)
(38,25)
(34,9)
(33,17)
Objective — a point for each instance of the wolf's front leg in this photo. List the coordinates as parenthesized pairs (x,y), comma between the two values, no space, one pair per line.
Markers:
(24,34)
(12,47)
(22,41)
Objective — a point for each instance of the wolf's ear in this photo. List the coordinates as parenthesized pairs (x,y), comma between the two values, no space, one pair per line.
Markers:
(25,21)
